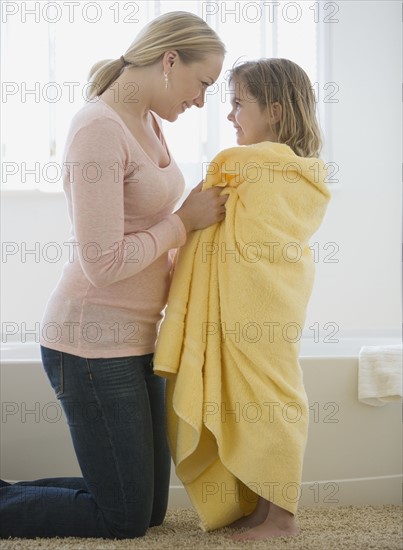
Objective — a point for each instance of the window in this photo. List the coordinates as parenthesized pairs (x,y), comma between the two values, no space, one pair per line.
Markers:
(49,47)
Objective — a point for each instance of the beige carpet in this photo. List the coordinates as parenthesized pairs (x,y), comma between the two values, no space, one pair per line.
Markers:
(349,527)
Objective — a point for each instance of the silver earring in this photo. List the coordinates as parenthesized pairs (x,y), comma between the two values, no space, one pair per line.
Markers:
(166,80)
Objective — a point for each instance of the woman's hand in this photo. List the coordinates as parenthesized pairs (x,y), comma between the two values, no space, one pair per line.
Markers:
(202,208)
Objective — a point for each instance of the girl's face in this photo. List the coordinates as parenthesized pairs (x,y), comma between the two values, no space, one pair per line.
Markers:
(249,119)
(187,83)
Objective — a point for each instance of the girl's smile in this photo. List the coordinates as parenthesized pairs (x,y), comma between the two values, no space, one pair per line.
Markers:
(250,120)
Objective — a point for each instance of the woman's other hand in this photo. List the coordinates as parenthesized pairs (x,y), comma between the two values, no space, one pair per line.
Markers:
(202,208)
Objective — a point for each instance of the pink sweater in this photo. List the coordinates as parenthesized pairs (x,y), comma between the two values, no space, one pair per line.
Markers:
(109,299)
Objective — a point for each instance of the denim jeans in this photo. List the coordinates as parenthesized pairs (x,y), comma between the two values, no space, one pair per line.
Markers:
(115,409)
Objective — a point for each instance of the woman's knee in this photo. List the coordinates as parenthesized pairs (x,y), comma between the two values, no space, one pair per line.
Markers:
(129,524)
(157,519)
(128,531)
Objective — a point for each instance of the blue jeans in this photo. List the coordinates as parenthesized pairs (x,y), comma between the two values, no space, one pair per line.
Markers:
(115,409)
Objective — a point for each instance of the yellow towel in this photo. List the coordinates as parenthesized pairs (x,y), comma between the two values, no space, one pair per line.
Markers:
(229,343)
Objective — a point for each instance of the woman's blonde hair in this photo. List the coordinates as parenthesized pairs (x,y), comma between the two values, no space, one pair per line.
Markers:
(283,81)
(182,31)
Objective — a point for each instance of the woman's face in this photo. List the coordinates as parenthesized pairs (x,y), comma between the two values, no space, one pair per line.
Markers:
(187,83)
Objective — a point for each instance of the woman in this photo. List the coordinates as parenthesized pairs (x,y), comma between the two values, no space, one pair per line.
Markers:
(100,325)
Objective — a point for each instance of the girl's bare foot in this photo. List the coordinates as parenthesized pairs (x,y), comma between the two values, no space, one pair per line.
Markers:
(279,523)
(257,517)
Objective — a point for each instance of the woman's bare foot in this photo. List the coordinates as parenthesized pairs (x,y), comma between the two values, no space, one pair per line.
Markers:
(257,517)
(279,523)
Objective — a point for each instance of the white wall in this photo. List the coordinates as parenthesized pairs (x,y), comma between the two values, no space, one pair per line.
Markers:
(359,293)
(364,289)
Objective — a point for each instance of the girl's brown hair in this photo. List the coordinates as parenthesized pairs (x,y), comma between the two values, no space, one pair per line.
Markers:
(280,80)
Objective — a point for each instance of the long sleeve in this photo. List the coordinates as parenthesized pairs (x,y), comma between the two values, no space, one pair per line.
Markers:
(99,170)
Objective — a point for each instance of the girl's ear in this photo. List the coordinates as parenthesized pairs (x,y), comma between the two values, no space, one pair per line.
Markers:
(276,110)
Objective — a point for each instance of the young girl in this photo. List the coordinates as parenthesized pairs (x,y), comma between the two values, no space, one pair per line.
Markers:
(237,406)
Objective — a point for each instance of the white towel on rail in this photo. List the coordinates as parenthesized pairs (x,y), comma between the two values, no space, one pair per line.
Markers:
(380,375)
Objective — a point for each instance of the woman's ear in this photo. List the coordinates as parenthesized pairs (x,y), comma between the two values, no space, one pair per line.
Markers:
(276,110)
(169,59)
